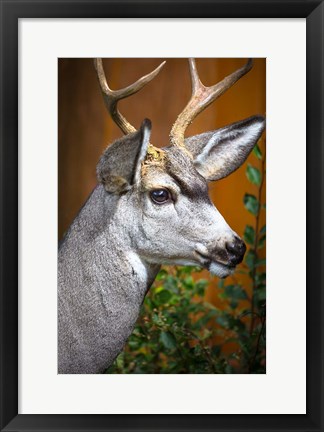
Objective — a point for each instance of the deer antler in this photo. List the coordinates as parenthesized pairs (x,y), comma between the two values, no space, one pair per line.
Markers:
(111,97)
(201,98)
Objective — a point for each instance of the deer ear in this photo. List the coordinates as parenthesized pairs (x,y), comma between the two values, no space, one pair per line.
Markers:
(218,153)
(119,168)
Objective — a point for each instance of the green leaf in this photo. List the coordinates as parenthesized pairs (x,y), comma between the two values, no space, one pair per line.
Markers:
(263,230)
(133,344)
(260,294)
(120,361)
(253,175)
(157,320)
(261,242)
(249,234)
(163,296)
(250,259)
(260,278)
(260,262)
(171,283)
(161,275)
(201,286)
(234,304)
(184,270)
(168,340)
(257,152)
(188,282)
(251,204)
(235,292)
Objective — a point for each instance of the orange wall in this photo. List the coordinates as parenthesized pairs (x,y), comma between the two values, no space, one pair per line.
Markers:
(85,128)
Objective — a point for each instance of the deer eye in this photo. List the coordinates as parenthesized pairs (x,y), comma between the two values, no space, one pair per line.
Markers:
(160,196)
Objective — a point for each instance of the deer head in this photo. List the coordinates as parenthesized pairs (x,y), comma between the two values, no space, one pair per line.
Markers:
(163,193)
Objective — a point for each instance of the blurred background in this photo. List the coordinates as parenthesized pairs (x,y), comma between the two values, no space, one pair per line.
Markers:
(84,131)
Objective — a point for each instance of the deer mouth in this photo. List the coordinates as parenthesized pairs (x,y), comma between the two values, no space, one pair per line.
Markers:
(213,265)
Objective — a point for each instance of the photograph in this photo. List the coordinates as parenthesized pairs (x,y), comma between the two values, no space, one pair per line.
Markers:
(161,216)
(161,223)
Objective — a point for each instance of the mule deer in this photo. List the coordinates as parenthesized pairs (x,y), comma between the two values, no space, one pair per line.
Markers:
(151,207)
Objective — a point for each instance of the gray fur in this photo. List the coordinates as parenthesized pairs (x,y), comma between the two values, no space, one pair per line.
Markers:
(119,166)
(100,292)
(114,248)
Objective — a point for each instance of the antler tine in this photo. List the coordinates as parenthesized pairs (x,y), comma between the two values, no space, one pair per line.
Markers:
(195,81)
(111,97)
(201,98)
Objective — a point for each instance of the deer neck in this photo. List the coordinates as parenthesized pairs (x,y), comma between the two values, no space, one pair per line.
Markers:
(102,284)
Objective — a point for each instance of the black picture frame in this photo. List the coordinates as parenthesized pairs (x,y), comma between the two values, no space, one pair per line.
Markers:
(11,11)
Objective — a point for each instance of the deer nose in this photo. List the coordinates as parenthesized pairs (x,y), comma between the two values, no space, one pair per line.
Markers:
(236,250)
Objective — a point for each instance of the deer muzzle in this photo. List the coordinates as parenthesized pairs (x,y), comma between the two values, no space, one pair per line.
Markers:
(221,261)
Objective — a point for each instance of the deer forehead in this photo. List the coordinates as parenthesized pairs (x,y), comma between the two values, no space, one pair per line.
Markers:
(157,178)
(177,172)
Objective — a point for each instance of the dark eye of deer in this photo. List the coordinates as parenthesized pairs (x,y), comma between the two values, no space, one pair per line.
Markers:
(160,196)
